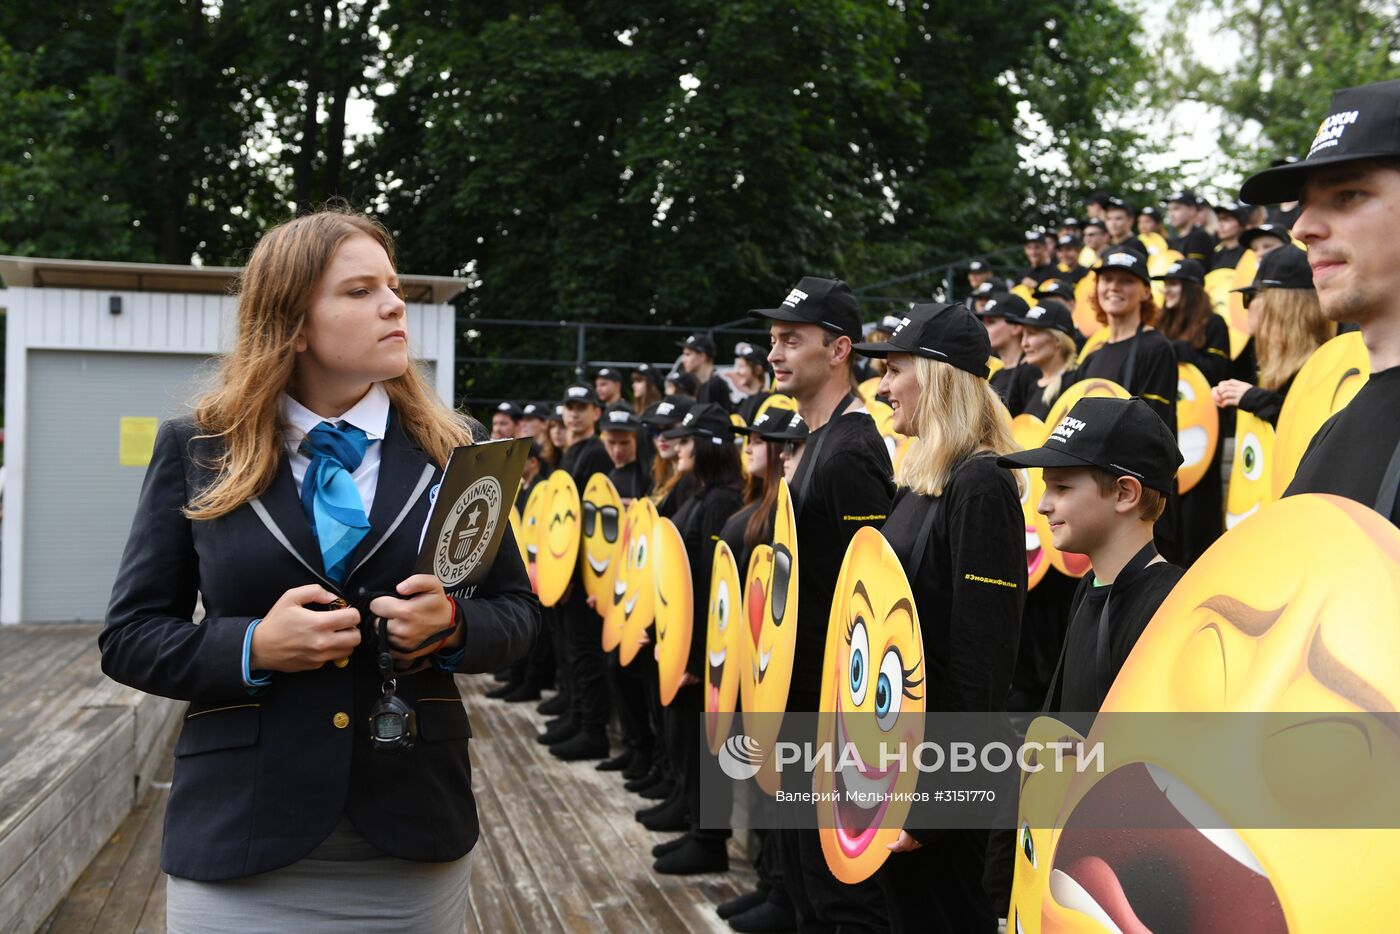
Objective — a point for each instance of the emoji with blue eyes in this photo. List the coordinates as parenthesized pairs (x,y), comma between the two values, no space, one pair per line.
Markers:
(531,522)
(872,705)
(725,635)
(1042,793)
(1198,426)
(1330,378)
(776,645)
(633,597)
(1282,820)
(1029,432)
(674,606)
(1251,474)
(559,539)
(757,578)
(602,540)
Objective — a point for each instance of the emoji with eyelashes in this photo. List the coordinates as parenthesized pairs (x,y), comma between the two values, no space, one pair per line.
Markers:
(776,643)
(559,537)
(633,597)
(1251,474)
(674,606)
(530,522)
(602,539)
(872,703)
(1291,614)
(724,647)
(1330,378)
(1198,426)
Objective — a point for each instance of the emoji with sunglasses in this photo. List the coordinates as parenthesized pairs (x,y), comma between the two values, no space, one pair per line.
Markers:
(674,606)
(632,604)
(725,635)
(872,703)
(559,539)
(602,540)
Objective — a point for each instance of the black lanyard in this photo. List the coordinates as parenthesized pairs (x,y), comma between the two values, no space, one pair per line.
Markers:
(1390,485)
(809,456)
(1132,362)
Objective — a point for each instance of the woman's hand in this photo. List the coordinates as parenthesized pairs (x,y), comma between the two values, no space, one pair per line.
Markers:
(687,679)
(293,637)
(1229,392)
(904,844)
(425,610)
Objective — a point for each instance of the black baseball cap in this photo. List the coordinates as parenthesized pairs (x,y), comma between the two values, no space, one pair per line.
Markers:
(511,409)
(1284,268)
(1265,230)
(1096,222)
(667,412)
(1362,123)
(1118,204)
(700,343)
(1187,270)
(536,410)
(1068,240)
(1127,259)
(1005,305)
(556,413)
(706,420)
(1034,236)
(580,392)
(1181,196)
(1238,211)
(755,355)
(887,324)
(1048,314)
(1055,287)
(651,373)
(770,419)
(609,373)
(1070,222)
(791,428)
(620,417)
(978,266)
(1121,436)
(1151,212)
(947,333)
(685,384)
(989,290)
(828,303)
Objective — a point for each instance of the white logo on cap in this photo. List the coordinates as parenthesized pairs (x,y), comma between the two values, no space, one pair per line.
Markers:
(1065,429)
(1176,267)
(795,296)
(1036,312)
(903,322)
(1329,133)
(1122,259)
(742,348)
(689,419)
(664,408)
(796,420)
(617,416)
(990,305)
(577,391)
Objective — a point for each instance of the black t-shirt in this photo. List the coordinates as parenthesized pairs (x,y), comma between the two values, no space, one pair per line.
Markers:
(748,406)
(700,522)
(1349,454)
(1132,243)
(1154,377)
(674,500)
(852,485)
(1266,403)
(1041,273)
(733,535)
(969,584)
(632,480)
(584,458)
(1225,257)
(1212,358)
(1195,244)
(1002,379)
(1026,396)
(522,496)
(715,390)
(1132,609)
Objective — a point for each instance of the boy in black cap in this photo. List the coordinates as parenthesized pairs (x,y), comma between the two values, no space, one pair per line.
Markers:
(505,420)
(1109,466)
(623,437)
(1005,335)
(1038,258)
(985,293)
(844,481)
(1118,216)
(1067,267)
(532,418)
(607,385)
(1348,189)
(1095,239)
(1191,242)
(1230,221)
(698,359)
(681,383)
(978,272)
(1149,221)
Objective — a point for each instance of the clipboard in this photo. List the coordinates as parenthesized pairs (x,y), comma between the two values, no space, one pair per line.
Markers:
(471,511)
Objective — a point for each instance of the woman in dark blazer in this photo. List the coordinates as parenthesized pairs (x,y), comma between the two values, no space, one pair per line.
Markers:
(292,531)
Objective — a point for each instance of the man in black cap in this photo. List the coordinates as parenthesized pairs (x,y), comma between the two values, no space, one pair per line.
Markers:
(1118,217)
(978,272)
(1230,221)
(1095,204)
(985,293)
(1264,239)
(532,418)
(623,437)
(1109,466)
(1095,239)
(1191,241)
(698,359)
(505,420)
(1005,335)
(1348,190)
(1040,267)
(1067,267)
(844,481)
(607,385)
(1149,221)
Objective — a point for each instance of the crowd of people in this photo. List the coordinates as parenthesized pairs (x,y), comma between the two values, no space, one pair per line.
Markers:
(1109,470)
(290,502)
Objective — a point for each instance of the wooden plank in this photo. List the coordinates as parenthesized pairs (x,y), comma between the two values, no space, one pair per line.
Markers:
(519,885)
(139,877)
(492,913)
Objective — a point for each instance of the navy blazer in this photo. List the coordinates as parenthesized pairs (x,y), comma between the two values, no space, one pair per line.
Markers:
(262,778)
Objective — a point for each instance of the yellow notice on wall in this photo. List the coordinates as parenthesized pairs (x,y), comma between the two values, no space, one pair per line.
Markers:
(138,440)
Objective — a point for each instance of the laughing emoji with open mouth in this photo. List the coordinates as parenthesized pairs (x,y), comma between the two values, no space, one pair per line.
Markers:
(725,653)
(632,601)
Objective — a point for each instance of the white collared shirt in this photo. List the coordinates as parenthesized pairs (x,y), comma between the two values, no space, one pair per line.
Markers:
(370,415)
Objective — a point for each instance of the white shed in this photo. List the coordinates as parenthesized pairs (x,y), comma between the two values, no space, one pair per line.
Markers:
(97,354)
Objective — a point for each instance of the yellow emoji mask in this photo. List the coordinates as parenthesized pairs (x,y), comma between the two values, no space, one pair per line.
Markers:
(777,639)
(1251,474)
(1198,426)
(725,637)
(1029,432)
(532,523)
(1068,562)
(872,702)
(518,531)
(634,591)
(1291,614)
(1329,379)
(602,541)
(675,604)
(757,579)
(559,538)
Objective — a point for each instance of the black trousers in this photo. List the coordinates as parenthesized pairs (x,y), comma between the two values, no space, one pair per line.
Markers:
(938,887)
(823,902)
(629,698)
(553,619)
(588,698)
(695,767)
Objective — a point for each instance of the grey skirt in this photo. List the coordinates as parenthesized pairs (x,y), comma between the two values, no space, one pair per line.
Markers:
(316,894)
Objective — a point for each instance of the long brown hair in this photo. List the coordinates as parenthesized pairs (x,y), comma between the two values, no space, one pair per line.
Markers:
(1187,321)
(1291,327)
(763,489)
(244,410)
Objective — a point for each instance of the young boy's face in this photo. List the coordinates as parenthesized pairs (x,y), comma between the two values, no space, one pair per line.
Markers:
(1080,516)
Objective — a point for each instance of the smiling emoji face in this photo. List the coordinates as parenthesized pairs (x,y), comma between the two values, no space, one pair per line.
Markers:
(1042,793)
(1198,423)
(633,597)
(1251,474)
(757,579)
(675,606)
(725,636)
(1029,432)
(1330,378)
(559,540)
(602,539)
(532,524)
(517,529)
(872,704)
(1289,618)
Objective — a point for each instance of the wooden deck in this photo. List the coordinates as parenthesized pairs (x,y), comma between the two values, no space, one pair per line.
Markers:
(560,850)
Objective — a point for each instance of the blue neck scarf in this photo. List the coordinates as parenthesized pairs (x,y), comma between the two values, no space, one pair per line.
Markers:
(329,496)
